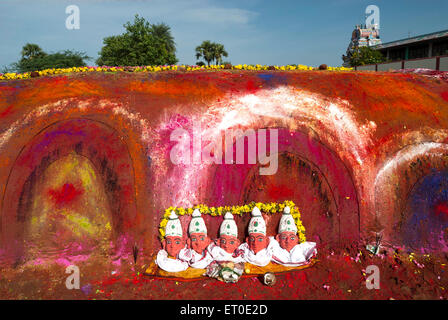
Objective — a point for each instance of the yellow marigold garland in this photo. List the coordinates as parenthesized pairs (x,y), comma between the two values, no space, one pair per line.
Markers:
(257,67)
(268,208)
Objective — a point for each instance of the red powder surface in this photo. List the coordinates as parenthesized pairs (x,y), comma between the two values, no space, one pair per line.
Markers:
(338,274)
(441,209)
(7,111)
(394,102)
(445,95)
(280,192)
(65,195)
(251,87)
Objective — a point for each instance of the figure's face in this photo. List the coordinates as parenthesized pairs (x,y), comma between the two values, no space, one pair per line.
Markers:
(228,243)
(257,242)
(173,245)
(199,241)
(287,240)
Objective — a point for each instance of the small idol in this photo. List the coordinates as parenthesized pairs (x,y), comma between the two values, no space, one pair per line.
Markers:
(168,258)
(226,246)
(286,249)
(197,255)
(255,249)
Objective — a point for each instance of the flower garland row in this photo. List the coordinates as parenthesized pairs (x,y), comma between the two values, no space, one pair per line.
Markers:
(257,67)
(267,208)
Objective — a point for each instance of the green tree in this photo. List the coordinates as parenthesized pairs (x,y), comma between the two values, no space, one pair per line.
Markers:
(219,53)
(163,32)
(206,51)
(365,55)
(141,44)
(31,50)
(210,51)
(33,58)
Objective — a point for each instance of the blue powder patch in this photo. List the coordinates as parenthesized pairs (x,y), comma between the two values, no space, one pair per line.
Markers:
(266,76)
(273,80)
(427,212)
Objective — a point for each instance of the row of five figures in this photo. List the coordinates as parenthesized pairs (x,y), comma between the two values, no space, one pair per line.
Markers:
(199,251)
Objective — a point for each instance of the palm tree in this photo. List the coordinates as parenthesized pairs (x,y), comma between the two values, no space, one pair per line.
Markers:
(206,51)
(219,53)
(163,32)
(31,50)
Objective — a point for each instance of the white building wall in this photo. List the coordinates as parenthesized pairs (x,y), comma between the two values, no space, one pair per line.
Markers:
(444,64)
(389,65)
(429,63)
(422,63)
(365,68)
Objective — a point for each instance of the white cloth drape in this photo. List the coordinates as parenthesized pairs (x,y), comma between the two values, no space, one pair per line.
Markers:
(169,264)
(220,255)
(196,260)
(299,255)
(262,258)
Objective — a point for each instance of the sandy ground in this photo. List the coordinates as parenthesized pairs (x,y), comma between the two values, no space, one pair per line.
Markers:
(338,275)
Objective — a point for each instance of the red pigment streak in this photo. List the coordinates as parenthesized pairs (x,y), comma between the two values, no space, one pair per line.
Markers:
(441,209)
(64,195)
(280,192)
(445,95)
(6,112)
(251,87)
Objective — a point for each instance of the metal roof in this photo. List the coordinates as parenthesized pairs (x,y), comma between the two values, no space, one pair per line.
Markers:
(424,37)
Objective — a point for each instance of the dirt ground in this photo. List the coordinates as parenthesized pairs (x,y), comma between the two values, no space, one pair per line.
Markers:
(339,274)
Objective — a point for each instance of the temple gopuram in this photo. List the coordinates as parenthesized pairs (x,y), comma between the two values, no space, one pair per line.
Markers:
(362,36)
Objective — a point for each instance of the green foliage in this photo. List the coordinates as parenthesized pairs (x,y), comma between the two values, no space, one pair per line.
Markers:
(366,55)
(141,44)
(211,51)
(31,50)
(205,51)
(219,53)
(35,59)
(162,31)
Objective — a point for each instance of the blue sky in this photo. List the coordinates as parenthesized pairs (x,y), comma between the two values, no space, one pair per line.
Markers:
(253,31)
